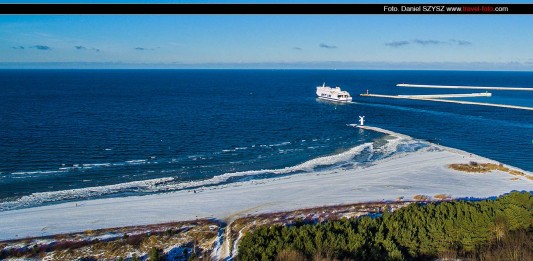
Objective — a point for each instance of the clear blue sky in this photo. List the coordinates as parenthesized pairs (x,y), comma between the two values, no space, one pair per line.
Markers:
(464,42)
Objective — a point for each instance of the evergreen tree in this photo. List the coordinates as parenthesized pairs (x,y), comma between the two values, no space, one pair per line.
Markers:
(417,231)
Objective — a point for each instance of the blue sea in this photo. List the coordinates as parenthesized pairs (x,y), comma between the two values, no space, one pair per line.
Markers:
(82,134)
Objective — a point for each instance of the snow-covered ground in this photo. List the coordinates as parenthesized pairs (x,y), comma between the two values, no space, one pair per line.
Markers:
(404,175)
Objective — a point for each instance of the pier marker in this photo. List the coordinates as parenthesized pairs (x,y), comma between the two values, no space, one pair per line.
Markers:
(362,120)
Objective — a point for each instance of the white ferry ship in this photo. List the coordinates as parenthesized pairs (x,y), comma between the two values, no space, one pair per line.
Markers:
(332,94)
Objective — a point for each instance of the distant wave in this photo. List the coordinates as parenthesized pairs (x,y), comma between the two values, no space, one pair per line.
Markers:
(39,172)
(280,144)
(151,160)
(136,162)
(97,165)
(83,166)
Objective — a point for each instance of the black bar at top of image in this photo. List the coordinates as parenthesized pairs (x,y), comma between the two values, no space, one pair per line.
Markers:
(266,8)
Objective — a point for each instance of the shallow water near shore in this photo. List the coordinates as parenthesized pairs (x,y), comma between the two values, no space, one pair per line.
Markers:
(79,134)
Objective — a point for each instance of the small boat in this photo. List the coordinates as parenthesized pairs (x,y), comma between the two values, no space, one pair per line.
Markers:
(332,94)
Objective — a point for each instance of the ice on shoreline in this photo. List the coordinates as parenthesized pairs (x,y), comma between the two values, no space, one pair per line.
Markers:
(172,184)
(404,174)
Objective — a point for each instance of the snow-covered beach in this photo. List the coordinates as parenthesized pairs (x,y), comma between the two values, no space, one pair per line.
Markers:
(402,175)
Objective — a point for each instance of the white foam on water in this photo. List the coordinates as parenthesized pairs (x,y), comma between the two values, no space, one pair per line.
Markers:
(280,144)
(168,184)
(135,162)
(307,166)
(236,149)
(96,165)
(39,172)
(52,196)
(84,166)
(285,151)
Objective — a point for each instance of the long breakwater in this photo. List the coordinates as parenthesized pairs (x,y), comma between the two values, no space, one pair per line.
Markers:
(464,87)
(413,97)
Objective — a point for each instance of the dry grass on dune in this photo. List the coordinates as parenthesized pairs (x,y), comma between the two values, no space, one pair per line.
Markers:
(486,167)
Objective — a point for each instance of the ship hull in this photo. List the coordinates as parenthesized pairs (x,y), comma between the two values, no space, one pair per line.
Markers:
(335,100)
